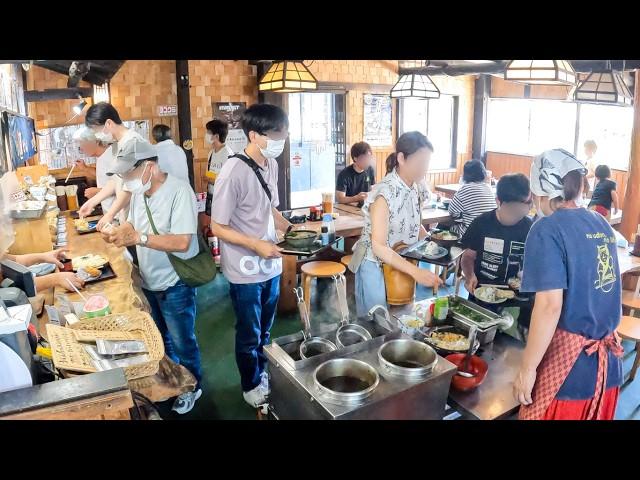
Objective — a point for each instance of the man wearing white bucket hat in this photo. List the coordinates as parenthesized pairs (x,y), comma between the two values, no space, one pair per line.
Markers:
(571,367)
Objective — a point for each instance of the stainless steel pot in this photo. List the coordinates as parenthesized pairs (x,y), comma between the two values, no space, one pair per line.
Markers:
(310,346)
(348,333)
(345,380)
(407,358)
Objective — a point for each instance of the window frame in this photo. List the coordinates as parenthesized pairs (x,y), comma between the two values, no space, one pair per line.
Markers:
(455,107)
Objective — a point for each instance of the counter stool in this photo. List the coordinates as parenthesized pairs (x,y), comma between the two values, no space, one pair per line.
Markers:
(320,269)
(631,298)
(629,329)
(349,276)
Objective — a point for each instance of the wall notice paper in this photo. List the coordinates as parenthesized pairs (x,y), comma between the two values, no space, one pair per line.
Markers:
(58,150)
(231,112)
(201,201)
(377,120)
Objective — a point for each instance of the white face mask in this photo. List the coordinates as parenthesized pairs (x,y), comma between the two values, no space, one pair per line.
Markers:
(104,136)
(208,138)
(274,148)
(579,201)
(136,186)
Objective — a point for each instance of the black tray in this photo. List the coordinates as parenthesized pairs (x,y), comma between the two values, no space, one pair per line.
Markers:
(107,271)
(443,261)
(317,247)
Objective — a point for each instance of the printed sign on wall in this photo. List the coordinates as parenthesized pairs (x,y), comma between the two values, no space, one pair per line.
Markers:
(231,112)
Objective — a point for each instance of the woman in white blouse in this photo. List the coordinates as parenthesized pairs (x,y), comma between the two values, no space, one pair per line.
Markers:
(392,214)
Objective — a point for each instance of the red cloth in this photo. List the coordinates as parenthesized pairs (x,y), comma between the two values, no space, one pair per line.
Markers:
(601,210)
(563,351)
(579,409)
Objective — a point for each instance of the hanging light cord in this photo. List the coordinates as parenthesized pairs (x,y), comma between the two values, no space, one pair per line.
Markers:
(309,64)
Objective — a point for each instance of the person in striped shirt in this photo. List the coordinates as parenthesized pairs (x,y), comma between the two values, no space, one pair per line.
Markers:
(474,198)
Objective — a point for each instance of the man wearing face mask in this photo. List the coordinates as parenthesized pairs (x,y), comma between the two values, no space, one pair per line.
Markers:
(104,120)
(245,219)
(494,245)
(216,135)
(172,207)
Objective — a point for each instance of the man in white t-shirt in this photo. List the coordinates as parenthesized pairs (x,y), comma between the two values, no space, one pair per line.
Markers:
(104,120)
(171,158)
(92,147)
(172,207)
(217,131)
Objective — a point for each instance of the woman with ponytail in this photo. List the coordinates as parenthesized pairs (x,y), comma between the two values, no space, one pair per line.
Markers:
(392,219)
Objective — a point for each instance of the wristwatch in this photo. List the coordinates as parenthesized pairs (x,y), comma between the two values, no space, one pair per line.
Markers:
(143,240)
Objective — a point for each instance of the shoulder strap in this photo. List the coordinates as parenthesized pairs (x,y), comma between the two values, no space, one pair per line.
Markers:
(256,169)
(146,206)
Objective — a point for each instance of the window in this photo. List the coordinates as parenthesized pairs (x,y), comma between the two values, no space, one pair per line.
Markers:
(435,118)
(529,127)
(610,127)
(316,145)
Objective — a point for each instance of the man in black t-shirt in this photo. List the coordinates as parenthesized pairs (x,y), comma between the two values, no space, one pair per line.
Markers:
(494,244)
(355,181)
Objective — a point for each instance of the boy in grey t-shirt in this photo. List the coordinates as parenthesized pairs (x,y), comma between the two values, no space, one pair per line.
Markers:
(245,219)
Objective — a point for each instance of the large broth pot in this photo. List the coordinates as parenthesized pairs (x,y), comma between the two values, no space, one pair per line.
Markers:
(407,358)
(345,380)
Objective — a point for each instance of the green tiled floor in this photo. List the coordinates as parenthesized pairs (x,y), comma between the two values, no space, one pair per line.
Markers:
(222,396)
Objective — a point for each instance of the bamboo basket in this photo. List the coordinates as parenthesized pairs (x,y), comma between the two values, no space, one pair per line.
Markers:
(69,354)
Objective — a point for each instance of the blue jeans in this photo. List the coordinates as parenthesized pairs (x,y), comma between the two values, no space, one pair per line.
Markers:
(174,311)
(255,307)
(370,288)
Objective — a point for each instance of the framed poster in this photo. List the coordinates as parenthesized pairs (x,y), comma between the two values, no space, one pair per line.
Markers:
(22,138)
(377,120)
(231,112)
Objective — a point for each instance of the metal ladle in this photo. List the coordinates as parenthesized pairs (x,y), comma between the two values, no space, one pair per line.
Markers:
(464,371)
(348,330)
(310,345)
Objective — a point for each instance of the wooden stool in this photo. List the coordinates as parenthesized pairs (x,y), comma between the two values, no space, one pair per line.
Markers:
(630,300)
(345,260)
(629,329)
(317,270)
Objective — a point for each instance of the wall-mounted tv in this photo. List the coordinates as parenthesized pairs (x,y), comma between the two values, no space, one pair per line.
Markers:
(22,138)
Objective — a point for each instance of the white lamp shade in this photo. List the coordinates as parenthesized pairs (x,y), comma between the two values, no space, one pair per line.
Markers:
(605,87)
(287,76)
(541,72)
(415,86)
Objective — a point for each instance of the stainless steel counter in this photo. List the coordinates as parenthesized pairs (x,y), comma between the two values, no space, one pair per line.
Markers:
(493,399)
(294,396)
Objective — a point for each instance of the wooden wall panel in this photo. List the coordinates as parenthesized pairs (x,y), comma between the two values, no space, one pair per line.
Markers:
(141,85)
(501,88)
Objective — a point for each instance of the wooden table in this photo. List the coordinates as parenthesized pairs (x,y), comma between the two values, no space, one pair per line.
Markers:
(628,263)
(431,216)
(124,294)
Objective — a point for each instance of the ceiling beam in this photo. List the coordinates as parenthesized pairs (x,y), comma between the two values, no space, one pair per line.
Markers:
(57,94)
(580,66)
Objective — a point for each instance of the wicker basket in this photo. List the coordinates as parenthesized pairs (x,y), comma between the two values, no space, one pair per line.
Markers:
(69,354)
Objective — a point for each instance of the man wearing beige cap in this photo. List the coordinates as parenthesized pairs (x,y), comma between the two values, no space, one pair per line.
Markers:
(172,213)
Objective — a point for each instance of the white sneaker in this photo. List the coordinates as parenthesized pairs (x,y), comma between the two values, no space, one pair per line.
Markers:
(255,397)
(264,383)
(185,402)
